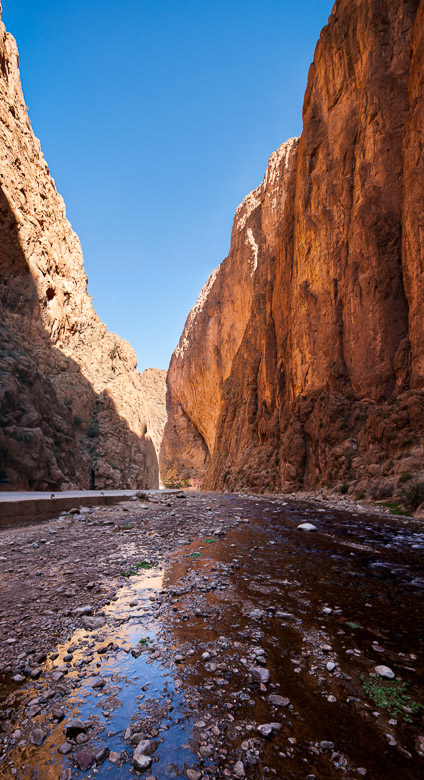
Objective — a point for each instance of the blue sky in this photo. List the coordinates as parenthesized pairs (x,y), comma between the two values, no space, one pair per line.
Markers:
(156,119)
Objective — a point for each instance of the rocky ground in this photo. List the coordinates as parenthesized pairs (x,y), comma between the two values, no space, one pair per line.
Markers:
(205,635)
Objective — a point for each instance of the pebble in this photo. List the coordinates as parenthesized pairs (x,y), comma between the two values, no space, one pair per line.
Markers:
(84,760)
(307,527)
(385,671)
(37,737)
(260,674)
(265,729)
(330,666)
(193,774)
(74,727)
(206,751)
(140,761)
(239,769)
(65,748)
(278,701)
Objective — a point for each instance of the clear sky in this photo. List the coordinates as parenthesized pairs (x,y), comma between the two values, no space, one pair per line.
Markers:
(156,118)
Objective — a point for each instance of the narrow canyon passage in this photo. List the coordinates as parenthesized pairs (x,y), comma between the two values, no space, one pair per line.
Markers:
(206,635)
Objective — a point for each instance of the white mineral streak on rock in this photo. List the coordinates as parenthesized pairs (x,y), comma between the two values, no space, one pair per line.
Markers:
(250,241)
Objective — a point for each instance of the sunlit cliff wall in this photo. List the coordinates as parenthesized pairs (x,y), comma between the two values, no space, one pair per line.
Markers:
(323,384)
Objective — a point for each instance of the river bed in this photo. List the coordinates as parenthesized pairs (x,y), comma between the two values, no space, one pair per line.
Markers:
(213,632)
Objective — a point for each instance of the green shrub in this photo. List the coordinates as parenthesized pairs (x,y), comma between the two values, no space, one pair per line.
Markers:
(391,695)
(77,420)
(405,477)
(344,488)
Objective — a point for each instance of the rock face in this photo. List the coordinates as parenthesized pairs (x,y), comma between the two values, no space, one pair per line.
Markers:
(323,381)
(214,330)
(72,405)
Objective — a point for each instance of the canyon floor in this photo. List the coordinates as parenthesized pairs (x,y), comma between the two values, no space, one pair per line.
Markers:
(204,635)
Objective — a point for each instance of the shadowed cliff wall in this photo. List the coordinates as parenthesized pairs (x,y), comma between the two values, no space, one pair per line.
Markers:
(72,408)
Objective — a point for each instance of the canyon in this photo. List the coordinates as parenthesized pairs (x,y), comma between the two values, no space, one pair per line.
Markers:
(301,366)
(302,363)
(74,410)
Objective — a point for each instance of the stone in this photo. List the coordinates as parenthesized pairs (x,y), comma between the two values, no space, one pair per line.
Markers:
(206,751)
(146,747)
(74,727)
(306,527)
(65,748)
(37,737)
(239,769)
(101,756)
(260,674)
(385,671)
(265,729)
(330,666)
(278,701)
(193,774)
(92,623)
(140,761)
(84,760)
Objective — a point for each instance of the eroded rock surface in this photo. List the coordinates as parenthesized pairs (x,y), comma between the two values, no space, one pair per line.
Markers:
(323,384)
(215,327)
(72,405)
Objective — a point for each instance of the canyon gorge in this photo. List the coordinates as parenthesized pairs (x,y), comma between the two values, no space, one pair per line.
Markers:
(269,622)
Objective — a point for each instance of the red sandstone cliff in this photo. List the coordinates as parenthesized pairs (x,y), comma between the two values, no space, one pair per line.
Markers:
(72,406)
(324,384)
(203,359)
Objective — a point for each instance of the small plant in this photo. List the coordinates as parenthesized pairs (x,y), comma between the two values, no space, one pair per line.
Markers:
(395,507)
(209,541)
(353,625)
(405,477)
(359,494)
(176,483)
(391,695)
(197,555)
(145,641)
(77,421)
(344,488)
(136,568)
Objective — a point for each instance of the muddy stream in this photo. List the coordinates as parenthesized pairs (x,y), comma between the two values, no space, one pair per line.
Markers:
(215,639)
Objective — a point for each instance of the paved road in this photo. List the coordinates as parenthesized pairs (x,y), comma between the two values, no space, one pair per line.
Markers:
(32,506)
(41,495)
